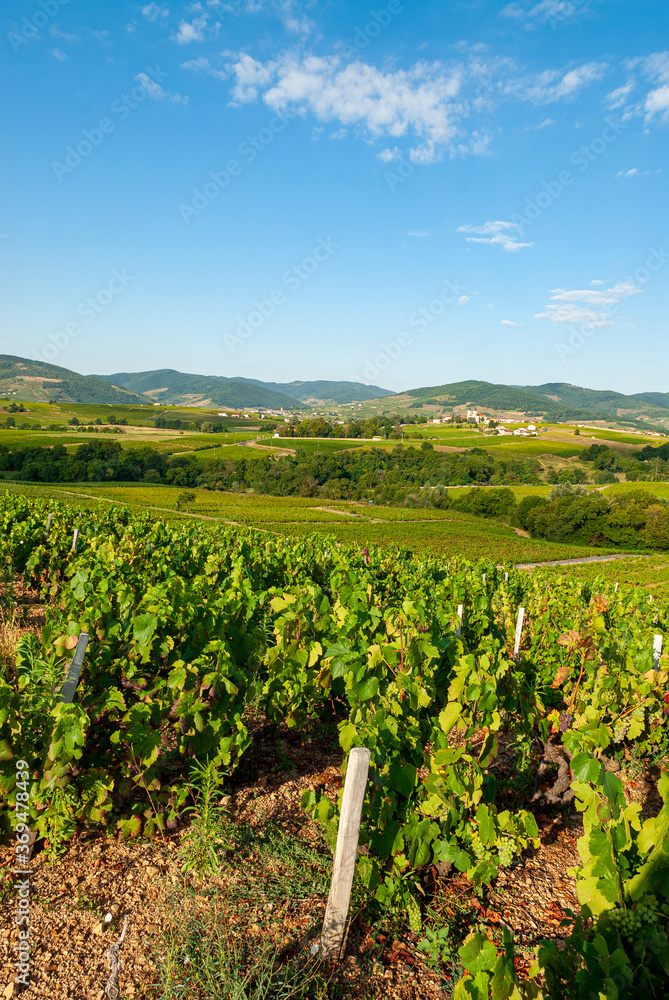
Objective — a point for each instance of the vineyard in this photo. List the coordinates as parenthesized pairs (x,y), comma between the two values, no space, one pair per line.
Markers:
(196,629)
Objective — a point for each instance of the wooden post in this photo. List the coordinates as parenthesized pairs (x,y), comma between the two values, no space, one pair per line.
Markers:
(506,578)
(70,685)
(458,630)
(657,651)
(483,577)
(519,631)
(332,936)
(75,539)
(48,523)
(615,589)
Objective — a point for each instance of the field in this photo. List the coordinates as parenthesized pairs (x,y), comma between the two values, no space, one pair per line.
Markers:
(421,530)
(229,674)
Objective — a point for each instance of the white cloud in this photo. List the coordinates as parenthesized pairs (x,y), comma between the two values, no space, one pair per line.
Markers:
(65,36)
(202,65)
(502,234)
(191,31)
(418,101)
(428,104)
(657,102)
(632,172)
(462,300)
(59,55)
(418,232)
(155,12)
(546,123)
(553,11)
(655,105)
(550,86)
(618,97)
(597,281)
(251,75)
(294,21)
(387,155)
(158,93)
(588,307)
(508,322)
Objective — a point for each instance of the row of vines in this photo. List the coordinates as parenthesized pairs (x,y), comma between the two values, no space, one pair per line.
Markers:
(191,627)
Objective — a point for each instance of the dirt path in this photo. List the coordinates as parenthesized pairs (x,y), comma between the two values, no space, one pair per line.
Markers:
(585,559)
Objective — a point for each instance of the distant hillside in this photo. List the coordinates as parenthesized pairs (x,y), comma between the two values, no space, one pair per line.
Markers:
(39,382)
(553,400)
(165,385)
(178,389)
(323,391)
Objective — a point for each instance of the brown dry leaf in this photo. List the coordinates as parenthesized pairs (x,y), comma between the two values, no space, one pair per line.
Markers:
(561,675)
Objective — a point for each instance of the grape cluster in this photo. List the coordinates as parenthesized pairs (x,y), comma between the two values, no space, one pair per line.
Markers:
(631,923)
(506,852)
(565,721)
(480,852)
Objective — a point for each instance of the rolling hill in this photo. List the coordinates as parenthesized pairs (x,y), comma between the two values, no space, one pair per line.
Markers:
(165,385)
(39,382)
(174,388)
(322,391)
(553,401)
(23,379)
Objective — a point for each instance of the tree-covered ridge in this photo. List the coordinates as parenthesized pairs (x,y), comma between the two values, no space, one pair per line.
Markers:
(39,381)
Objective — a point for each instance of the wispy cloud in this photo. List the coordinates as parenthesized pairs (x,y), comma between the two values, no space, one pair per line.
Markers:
(508,322)
(654,104)
(632,172)
(155,11)
(497,234)
(547,11)
(202,65)
(158,93)
(618,97)
(64,36)
(589,307)
(59,55)
(553,85)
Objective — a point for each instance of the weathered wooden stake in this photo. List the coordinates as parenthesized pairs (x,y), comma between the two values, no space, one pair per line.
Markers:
(483,577)
(70,685)
(332,936)
(458,630)
(657,651)
(506,578)
(615,589)
(75,539)
(48,523)
(519,631)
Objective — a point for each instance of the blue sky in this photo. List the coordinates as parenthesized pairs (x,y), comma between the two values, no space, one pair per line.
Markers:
(399,193)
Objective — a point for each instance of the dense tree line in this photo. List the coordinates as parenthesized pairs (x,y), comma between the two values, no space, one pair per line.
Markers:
(98,461)
(409,476)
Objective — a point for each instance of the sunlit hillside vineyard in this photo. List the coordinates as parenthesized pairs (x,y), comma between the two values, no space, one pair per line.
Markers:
(195,628)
